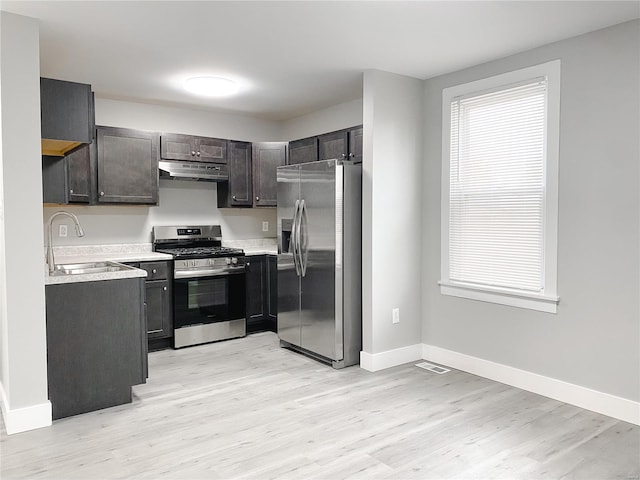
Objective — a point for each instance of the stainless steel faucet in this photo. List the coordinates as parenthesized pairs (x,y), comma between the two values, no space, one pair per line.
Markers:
(79,232)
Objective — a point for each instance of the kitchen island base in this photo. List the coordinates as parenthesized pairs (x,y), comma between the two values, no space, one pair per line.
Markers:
(96,344)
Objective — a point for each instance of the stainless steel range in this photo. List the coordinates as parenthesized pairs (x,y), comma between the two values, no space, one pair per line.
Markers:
(208,284)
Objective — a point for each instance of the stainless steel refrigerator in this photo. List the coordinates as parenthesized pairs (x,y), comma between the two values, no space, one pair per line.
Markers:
(319,260)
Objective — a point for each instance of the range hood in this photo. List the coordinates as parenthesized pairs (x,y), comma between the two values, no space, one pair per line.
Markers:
(199,171)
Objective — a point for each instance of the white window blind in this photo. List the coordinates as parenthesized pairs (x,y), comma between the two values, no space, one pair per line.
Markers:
(497,187)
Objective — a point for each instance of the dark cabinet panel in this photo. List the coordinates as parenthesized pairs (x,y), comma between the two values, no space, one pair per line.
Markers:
(79,175)
(355,144)
(96,346)
(256,288)
(156,270)
(66,114)
(303,151)
(272,270)
(212,150)
(127,166)
(174,146)
(159,302)
(267,157)
(262,294)
(237,192)
(333,145)
(68,179)
(159,315)
(177,147)
(341,144)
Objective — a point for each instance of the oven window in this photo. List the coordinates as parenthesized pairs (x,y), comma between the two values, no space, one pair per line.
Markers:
(207,293)
(208,300)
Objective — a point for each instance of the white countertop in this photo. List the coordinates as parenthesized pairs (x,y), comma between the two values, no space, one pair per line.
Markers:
(91,277)
(261,251)
(131,253)
(102,253)
(255,246)
(114,257)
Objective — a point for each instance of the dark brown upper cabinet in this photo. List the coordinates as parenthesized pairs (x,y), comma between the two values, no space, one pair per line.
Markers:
(238,191)
(341,144)
(267,157)
(333,145)
(66,116)
(127,166)
(355,144)
(174,146)
(303,151)
(69,179)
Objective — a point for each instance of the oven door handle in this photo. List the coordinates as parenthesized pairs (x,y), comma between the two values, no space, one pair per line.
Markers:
(216,272)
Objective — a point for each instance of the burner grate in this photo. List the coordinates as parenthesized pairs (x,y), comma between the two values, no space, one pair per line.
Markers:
(192,252)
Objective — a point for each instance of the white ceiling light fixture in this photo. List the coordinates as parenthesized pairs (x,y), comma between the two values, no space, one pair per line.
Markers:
(211,86)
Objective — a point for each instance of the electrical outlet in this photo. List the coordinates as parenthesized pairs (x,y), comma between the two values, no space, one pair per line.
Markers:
(62,230)
(395,315)
(265,226)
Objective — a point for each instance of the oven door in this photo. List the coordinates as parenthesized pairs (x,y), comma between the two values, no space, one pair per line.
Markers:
(209,308)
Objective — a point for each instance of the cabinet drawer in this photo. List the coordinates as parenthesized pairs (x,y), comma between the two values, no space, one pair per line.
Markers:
(155,270)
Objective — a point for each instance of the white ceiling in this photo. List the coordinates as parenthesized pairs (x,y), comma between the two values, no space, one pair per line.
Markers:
(290,57)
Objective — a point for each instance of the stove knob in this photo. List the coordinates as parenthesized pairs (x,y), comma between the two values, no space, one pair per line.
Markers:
(212,262)
(234,260)
(228,261)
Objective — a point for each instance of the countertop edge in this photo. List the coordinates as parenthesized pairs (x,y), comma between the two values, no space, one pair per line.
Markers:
(93,277)
(117,257)
(260,251)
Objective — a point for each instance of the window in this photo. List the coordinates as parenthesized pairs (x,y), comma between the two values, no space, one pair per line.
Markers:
(500,188)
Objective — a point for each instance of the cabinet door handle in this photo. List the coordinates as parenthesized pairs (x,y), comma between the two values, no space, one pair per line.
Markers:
(248,264)
(343,155)
(193,153)
(102,194)
(71,191)
(197,154)
(164,289)
(153,271)
(351,155)
(257,199)
(234,197)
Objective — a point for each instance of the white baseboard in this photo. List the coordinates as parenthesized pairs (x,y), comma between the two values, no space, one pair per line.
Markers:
(604,403)
(379,361)
(23,419)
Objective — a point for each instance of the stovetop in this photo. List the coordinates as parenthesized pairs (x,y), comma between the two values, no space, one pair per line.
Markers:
(192,241)
(201,252)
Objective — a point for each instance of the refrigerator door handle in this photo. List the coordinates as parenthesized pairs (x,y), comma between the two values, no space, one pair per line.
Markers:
(297,225)
(294,237)
(302,238)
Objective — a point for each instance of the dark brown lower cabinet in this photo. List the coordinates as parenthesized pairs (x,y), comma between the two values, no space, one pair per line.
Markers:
(96,344)
(272,271)
(159,303)
(261,293)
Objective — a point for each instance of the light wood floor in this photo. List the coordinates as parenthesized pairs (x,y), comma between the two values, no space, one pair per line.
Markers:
(247,408)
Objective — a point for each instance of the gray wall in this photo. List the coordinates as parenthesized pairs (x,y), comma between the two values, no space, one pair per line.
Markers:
(594,339)
(22,302)
(391,217)
(336,117)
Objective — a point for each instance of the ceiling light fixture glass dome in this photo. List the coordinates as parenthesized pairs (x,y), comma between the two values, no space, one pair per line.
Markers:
(211,86)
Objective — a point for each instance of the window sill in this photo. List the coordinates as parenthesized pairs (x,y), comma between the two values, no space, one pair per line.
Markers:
(530,301)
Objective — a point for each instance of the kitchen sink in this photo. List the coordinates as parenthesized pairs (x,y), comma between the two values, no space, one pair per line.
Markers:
(91,267)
